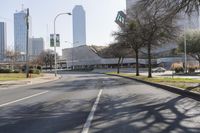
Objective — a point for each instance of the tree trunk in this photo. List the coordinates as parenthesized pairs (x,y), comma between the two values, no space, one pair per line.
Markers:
(137,63)
(118,65)
(149,61)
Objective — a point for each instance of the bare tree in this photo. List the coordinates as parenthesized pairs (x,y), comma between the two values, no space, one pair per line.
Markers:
(174,6)
(120,51)
(12,56)
(154,27)
(47,57)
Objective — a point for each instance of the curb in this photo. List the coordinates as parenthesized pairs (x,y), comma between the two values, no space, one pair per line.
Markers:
(190,94)
(30,83)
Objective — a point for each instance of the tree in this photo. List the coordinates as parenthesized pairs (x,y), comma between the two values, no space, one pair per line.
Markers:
(118,50)
(130,36)
(47,57)
(154,28)
(193,44)
(174,7)
(12,57)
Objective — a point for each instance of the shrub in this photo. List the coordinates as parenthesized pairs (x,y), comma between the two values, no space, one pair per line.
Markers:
(191,69)
(16,71)
(34,71)
(5,70)
(177,67)
(179,70)
(39,67)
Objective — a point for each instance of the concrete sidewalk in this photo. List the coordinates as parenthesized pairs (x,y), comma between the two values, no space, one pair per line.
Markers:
(30,81)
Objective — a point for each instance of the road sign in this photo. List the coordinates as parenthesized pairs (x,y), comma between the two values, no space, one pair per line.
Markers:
(121,18)
(52,40)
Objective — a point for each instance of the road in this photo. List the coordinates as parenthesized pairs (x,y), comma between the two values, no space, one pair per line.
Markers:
(95,103)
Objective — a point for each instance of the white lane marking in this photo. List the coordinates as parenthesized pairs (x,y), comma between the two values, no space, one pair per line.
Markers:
(34,95)
(86,126)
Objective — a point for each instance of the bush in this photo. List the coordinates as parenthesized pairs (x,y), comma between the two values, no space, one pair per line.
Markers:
(34,71)
(191,69)
(179,70)
(5,70)
(39,67)
(16,71)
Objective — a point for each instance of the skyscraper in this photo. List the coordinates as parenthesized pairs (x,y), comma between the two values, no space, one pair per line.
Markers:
(37,46)
(79,26)
(3,40)
(20,31)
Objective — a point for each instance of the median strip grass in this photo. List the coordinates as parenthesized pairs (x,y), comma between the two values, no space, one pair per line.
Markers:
(16,76)
(184,83)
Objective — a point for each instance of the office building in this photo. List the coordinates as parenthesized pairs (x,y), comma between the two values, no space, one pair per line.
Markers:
(37,46)
(20,33)
(3,40)
(79,26)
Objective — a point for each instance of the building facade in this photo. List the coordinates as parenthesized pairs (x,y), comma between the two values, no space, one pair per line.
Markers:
(20,33)
(3,40)
(37,46)
(79,26)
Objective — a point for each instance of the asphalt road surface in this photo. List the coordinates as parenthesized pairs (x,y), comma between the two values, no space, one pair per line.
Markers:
(95,103)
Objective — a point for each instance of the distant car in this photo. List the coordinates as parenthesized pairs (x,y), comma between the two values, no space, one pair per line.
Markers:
(158,69)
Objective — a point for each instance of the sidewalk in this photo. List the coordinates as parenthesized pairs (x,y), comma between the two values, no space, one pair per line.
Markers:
(30,81)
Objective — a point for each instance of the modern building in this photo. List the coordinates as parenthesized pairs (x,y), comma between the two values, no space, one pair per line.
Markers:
(79,26)
(3,40)
(84,56)
(37,46)
(20,33)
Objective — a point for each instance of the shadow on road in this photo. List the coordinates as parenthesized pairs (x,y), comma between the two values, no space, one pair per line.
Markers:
(144,114)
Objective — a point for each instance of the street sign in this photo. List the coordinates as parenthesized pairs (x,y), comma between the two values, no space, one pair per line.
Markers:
(52,40)
(121,18)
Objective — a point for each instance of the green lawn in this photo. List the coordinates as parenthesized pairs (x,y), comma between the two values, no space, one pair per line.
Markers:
(15,76)
(185,83)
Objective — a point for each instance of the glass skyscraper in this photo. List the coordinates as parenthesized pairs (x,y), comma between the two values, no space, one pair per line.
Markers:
(79,26)
(3,40)
(20,32)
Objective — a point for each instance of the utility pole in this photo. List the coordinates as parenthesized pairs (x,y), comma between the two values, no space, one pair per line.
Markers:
(27,45)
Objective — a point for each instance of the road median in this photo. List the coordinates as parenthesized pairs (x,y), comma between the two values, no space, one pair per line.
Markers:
(45,78)
(182,91)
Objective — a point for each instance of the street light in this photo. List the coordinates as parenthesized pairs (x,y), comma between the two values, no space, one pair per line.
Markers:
(185,48)
(55,38)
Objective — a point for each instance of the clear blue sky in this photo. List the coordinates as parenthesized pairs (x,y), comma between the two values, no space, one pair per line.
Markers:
(100,16)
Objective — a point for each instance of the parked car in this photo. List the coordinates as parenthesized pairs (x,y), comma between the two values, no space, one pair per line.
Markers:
(158,69)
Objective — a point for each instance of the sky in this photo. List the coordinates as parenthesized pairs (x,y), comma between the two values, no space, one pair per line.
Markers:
(100,17)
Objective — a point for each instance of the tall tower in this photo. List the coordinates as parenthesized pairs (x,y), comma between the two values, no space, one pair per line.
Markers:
(20,31)
(3,40)
(79,26)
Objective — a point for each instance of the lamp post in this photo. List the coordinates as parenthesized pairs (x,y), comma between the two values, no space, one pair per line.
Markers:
(55,39)
(185,48)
